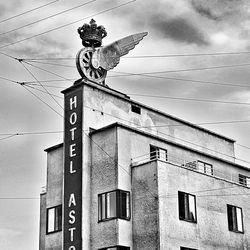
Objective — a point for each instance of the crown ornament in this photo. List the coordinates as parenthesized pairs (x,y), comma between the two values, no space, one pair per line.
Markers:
(91,34)
(93,60)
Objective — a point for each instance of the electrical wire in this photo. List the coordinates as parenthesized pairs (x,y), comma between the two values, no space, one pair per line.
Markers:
(162,132)
(182,70)
(41,85)
(42,101)
(120,165)
(68,24)
(32,133)
(191,99)
(169,125)
(9,80)
(28,11)
(7,137)
(46,18)
(147,74)
(155,56)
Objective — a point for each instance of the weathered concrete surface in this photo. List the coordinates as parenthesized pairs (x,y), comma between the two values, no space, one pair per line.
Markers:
(145,207)
(54,187)
(42,231)
(103,179)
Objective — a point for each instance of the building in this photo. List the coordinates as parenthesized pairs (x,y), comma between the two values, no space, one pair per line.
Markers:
(131,177)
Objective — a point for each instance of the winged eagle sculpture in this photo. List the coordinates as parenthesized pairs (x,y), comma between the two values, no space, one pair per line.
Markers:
(93,61)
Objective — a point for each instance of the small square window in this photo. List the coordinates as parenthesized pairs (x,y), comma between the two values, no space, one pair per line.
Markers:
(244,180)
(54,219)
(187,207)
(205,167)
(235,219)
(135,109)
(158,153)
(114,204)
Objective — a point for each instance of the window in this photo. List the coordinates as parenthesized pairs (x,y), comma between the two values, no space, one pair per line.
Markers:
(135,109)
(205,167)
(115,248)
(115,204)
(54,219)
(187,207)
(235,219)
(158,153)
(187,248)
(244,180)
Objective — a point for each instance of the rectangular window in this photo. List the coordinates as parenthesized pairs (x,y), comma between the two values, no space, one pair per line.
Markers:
(115,204)
(54,219)
(187,207)
(206,168)
(115,248)
(135,109)
(235,219)
(244,180)
(158,153)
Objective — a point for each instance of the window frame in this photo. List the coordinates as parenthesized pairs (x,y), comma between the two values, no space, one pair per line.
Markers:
(205,166)
(136,109)
(244,180)
(234,227)
(156,154)
(59,208)
(186,206)
(103,214)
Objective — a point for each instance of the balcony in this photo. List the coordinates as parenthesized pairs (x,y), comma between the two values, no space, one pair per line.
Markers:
(193,165)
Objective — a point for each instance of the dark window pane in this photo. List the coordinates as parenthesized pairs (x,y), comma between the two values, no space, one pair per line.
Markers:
(154,152)
(181,206)
(124,204)
(111,204)
(135,109)
(115,204)
(103,206)
(187,207)
(54,219)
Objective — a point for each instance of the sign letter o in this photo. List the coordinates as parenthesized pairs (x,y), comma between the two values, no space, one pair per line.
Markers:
(73,118)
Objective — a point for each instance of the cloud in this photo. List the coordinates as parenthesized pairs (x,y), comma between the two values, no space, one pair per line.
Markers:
(204,10)
(179,29)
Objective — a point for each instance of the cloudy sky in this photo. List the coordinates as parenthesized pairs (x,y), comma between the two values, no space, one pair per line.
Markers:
(195,49)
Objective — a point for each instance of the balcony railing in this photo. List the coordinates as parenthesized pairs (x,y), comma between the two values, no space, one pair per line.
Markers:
(194,165)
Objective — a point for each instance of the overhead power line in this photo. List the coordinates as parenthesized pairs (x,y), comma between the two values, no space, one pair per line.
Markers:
(68,24)
(191,99)
(182,70)
(153,56)
(192,143)
(31,133)
(46,18)
(147,74)
(41,85)
(28,11)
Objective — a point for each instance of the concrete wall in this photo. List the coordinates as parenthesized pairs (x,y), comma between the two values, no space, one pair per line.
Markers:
(42,231)
(103,179)
(54,187)
(212,196)
(132,145)
(102,108)
(145,207)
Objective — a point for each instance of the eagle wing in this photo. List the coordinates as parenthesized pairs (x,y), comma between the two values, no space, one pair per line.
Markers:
(108,56)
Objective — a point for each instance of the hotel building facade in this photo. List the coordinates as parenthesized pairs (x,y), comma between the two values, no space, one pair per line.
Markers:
(130,177)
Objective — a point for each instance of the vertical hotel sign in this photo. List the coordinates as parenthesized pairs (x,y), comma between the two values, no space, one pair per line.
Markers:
(72,226)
